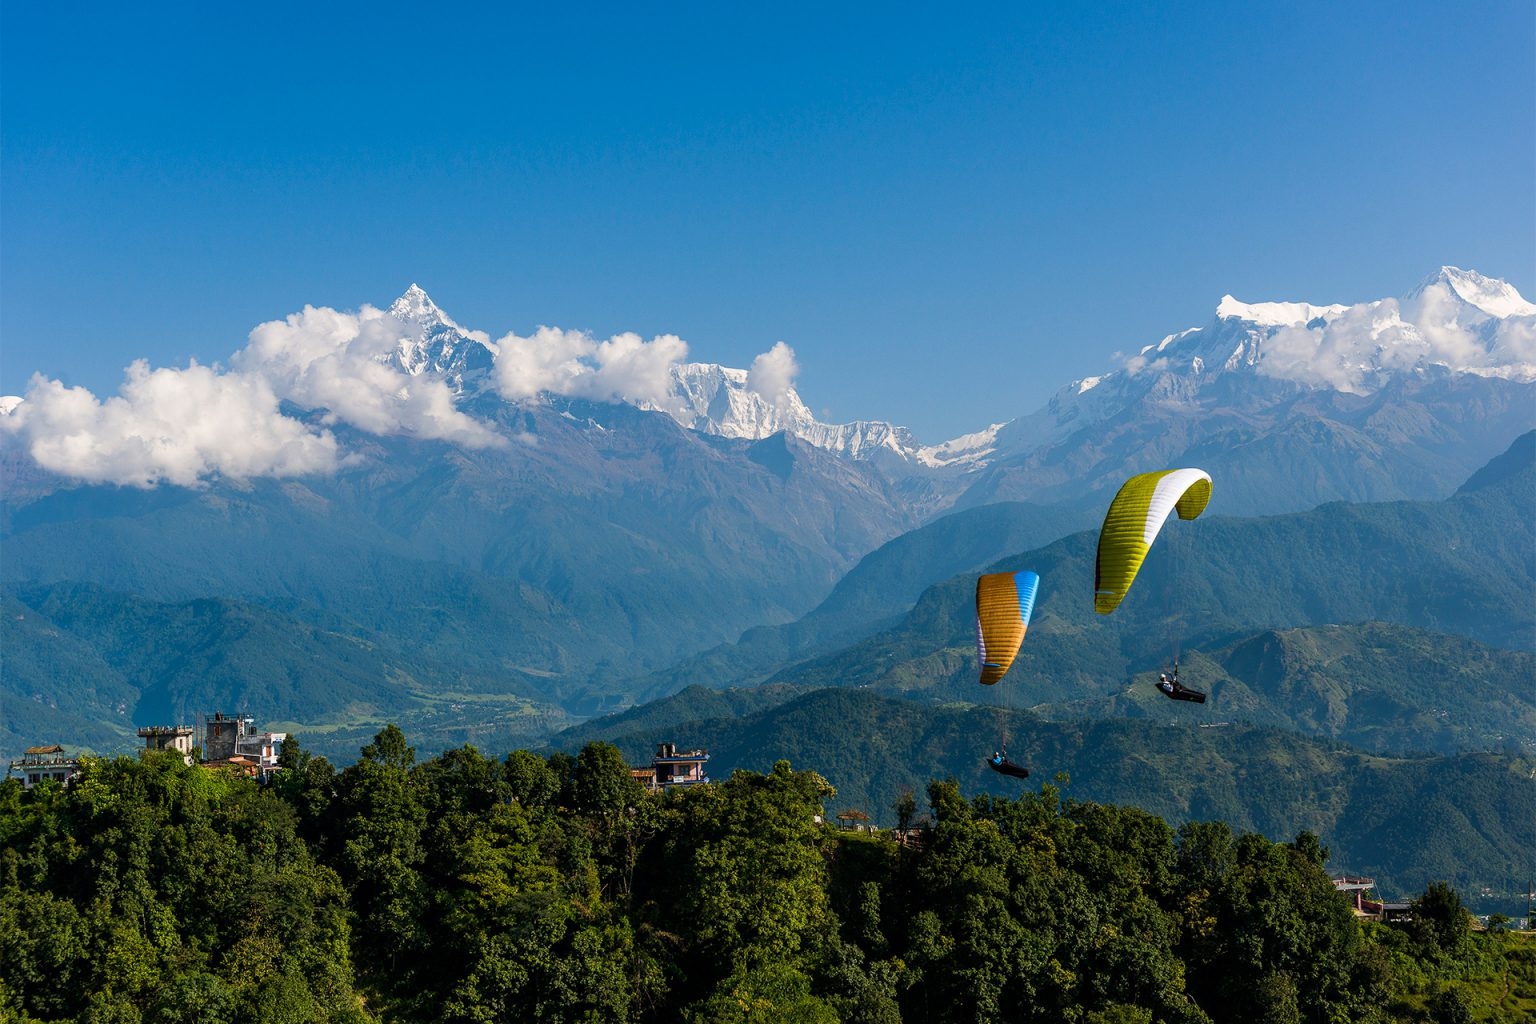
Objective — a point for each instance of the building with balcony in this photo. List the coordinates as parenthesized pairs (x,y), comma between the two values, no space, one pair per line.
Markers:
(236,743)
(671,768)
(38,764)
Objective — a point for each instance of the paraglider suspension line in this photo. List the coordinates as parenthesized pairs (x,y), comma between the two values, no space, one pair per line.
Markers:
(1173,603)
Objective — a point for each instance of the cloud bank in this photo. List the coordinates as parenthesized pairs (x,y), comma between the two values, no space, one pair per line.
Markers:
(167,426)
(184,426)
(572,363)
(1352,351)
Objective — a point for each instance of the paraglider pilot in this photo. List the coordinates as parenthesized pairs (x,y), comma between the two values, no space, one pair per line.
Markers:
(999,762)
(1176,690)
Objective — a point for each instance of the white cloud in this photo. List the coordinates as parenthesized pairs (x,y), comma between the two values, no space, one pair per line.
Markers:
(551,360)
(324,359)
(1438,313)
(182,426)
(1514,341)
(773,373)
(1347,351)
(167,426)
(638,370)
(1353,349)
(571,363)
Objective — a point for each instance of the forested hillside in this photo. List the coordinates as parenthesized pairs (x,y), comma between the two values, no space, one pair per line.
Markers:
(1382,688)
(1405,820)
(467,889)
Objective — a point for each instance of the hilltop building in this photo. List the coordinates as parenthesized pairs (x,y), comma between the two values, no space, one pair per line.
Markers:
(231,742)
(46,762)
(1362,892)
(236,743)
(670,769)
(169,737)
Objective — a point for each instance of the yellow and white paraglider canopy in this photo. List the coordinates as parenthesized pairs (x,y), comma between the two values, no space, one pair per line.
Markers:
(1133,521)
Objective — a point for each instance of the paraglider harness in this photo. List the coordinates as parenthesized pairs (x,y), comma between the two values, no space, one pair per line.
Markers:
(999,763)
(1174,690)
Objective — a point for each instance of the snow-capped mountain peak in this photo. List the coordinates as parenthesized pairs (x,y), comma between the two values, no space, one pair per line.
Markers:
(416,306)
(1274,314)
(1457,322)
(714,399)
(433,343)
(1490,295)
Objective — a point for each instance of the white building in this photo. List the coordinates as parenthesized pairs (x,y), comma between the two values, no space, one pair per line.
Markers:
(50,762)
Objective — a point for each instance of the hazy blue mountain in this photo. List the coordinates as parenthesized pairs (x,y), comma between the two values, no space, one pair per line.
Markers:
(85,666)
(186,657)
(1461,566)
(886,582)
(1512,465)
(877,591)
(380,629)
(1280,446)
(58,688)
(609,541)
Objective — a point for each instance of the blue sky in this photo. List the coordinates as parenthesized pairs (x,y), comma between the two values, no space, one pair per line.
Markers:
(946,216)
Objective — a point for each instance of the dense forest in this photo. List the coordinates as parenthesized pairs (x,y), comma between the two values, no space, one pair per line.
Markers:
(469,889)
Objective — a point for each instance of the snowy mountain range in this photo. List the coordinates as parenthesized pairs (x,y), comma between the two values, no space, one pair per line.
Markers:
(1251,356)
(411,370)
(1456,322)
(706,397)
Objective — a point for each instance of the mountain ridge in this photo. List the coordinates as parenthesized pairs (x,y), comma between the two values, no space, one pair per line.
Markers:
(1251,376)
(456,641)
